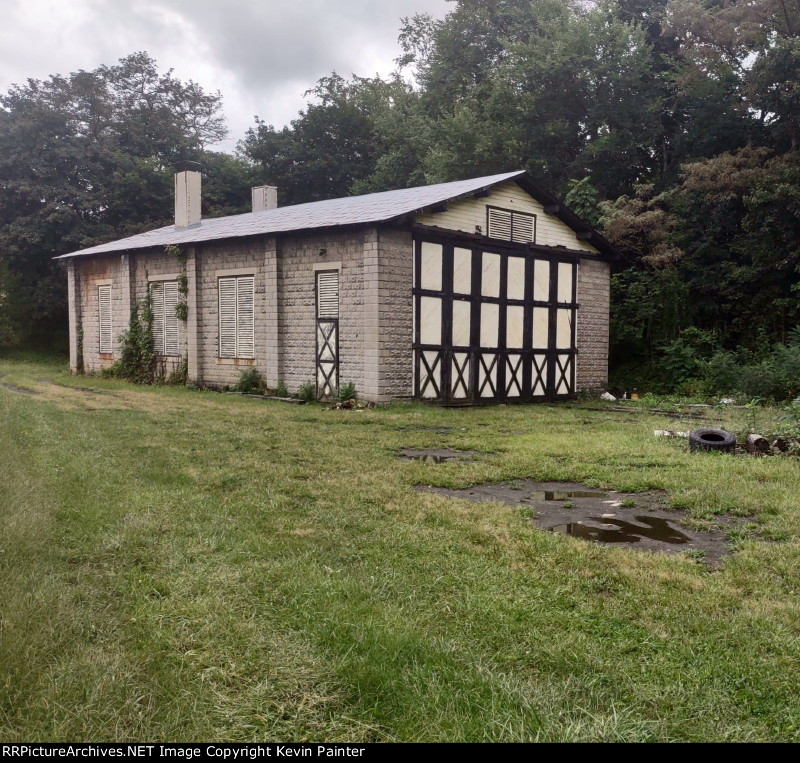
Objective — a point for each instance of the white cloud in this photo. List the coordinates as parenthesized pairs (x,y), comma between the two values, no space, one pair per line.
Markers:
(262,56)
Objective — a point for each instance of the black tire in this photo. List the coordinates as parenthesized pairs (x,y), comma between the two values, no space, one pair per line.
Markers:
(712,439)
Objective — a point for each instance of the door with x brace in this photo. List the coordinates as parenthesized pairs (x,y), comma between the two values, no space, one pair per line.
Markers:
(327,353)
(493,323)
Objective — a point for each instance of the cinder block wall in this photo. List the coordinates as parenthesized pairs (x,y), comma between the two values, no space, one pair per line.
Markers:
(89,275)
(154,265)
(396,314)
(594,295)
(299,259)
(236,257)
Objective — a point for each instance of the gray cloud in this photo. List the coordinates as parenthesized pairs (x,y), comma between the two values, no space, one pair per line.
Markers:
(262,56)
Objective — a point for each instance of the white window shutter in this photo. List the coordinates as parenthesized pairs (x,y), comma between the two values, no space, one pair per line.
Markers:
(328,294)
(170,289)
(104,310)
(245,317)
(227,317)
(157,305)
(500,224)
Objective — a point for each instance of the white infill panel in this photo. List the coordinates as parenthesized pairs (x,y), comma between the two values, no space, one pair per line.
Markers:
(462,323)
(104,316)
(490,324)
(541,327)
(565,271)
(516,278)
(490,280)
(431,375)
(539,375)
(227,317)
(431,267)
(462,271)
(328,294)
(430,326)
(514,376)
(515,327)
(564,330)
(541,281)
(459,375)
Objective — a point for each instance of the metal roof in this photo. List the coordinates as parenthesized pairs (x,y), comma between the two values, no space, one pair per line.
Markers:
(351,210)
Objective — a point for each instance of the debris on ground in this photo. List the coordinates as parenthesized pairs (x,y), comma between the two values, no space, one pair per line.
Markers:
(350,405)
(668,433)
(608,397)
(757,444)
(717,440)
(727,401)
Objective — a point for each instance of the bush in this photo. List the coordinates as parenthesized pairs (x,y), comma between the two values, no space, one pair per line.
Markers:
(308,392)
(347,392)
(250,382)
(282,390)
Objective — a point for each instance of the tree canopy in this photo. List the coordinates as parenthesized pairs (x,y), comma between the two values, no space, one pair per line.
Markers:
(673,124)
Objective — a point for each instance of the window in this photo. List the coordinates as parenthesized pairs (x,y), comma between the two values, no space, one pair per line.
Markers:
(104,315)
(236,317)
(164,298)
(509,225)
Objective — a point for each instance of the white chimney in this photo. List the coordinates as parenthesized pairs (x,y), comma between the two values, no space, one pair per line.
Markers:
(265,197)
(187,194)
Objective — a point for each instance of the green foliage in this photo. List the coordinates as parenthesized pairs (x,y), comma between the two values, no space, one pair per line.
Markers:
(138,362)
(250,382)
(282,390)
(182,311)
(307,392)
(347,392)
(180,375)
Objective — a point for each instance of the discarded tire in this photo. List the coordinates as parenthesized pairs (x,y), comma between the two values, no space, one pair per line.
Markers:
(712,439)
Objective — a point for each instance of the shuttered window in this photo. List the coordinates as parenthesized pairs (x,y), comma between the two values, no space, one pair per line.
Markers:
(164,298)
(328,294)
(104,314)
(237,317)
(507,225)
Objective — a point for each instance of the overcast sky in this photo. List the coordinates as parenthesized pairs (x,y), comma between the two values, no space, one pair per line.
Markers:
(261,54)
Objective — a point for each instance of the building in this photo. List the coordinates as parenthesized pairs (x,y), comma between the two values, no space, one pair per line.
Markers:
(474,291)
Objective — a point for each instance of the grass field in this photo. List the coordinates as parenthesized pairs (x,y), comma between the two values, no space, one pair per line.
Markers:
(183,565)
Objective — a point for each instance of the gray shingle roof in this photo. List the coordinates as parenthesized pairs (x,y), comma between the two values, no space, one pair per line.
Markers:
(352,210)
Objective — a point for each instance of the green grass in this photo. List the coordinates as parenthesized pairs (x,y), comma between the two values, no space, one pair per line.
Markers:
(186,565)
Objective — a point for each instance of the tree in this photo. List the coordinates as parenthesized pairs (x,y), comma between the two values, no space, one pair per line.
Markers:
(85,158)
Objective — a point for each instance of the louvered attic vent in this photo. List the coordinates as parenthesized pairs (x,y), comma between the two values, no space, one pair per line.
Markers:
(508,225)
(328,294)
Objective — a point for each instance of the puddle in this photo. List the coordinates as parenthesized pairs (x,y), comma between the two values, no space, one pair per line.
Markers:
(620,531)
(637,520)
(20,390)
(551,495)
(440,456)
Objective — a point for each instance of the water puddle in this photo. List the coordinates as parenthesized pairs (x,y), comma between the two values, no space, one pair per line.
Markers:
(619,531)
(564,495)
(19,390)
(624,520)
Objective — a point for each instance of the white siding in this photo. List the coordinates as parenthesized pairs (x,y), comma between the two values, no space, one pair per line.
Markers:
(470,214)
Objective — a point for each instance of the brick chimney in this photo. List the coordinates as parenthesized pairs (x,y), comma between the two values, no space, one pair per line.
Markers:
(187,194)
(265,197)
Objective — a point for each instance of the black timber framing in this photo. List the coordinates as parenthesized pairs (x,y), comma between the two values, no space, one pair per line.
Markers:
(442,373)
